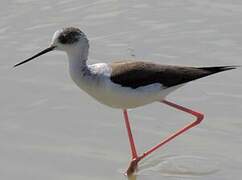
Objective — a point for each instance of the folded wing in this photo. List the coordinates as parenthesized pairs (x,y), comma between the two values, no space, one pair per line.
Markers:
(135,74)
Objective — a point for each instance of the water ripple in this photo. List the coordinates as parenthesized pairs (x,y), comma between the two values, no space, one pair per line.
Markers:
(179,166)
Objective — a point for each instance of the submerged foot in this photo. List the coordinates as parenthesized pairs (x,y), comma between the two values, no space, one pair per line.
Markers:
(132,166)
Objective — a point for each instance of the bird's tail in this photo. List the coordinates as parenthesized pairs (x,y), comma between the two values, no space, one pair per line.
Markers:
(218,69)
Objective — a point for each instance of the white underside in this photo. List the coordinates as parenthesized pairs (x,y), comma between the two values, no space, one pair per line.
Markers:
(126,98)
(100,87)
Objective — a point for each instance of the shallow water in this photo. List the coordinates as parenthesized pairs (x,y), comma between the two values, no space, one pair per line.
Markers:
(49,129)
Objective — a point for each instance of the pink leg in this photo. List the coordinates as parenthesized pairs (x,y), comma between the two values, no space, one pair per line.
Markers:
(131,140)
(199,118)
(135,158)
(134,162)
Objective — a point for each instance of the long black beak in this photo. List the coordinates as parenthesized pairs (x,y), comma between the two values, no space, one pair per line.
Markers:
(51,48)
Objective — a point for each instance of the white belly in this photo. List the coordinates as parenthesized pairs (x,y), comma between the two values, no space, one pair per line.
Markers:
(117,96)
(123,97)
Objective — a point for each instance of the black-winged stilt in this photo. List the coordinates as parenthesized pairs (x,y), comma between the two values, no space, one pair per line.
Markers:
(126,84)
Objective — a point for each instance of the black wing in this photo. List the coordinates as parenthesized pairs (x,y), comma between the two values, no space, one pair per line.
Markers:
(135,74)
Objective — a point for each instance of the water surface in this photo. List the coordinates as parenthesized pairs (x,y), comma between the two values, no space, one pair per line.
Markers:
(51,130)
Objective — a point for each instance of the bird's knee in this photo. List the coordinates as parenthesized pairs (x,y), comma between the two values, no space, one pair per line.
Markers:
(200,117)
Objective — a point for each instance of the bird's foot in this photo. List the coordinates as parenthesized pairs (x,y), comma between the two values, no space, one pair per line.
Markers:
(133,166)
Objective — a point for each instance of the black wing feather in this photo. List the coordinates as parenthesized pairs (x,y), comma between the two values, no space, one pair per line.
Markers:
(136,74)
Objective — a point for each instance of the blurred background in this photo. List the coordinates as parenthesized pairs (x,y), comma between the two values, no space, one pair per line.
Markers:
(51,130)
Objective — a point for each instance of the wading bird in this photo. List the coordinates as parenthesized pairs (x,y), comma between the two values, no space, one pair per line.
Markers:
(126,84)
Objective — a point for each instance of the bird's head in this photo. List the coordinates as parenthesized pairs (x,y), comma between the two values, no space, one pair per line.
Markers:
(67,39)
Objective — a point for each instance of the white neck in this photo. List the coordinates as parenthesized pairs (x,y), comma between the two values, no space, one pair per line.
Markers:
(78,62)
